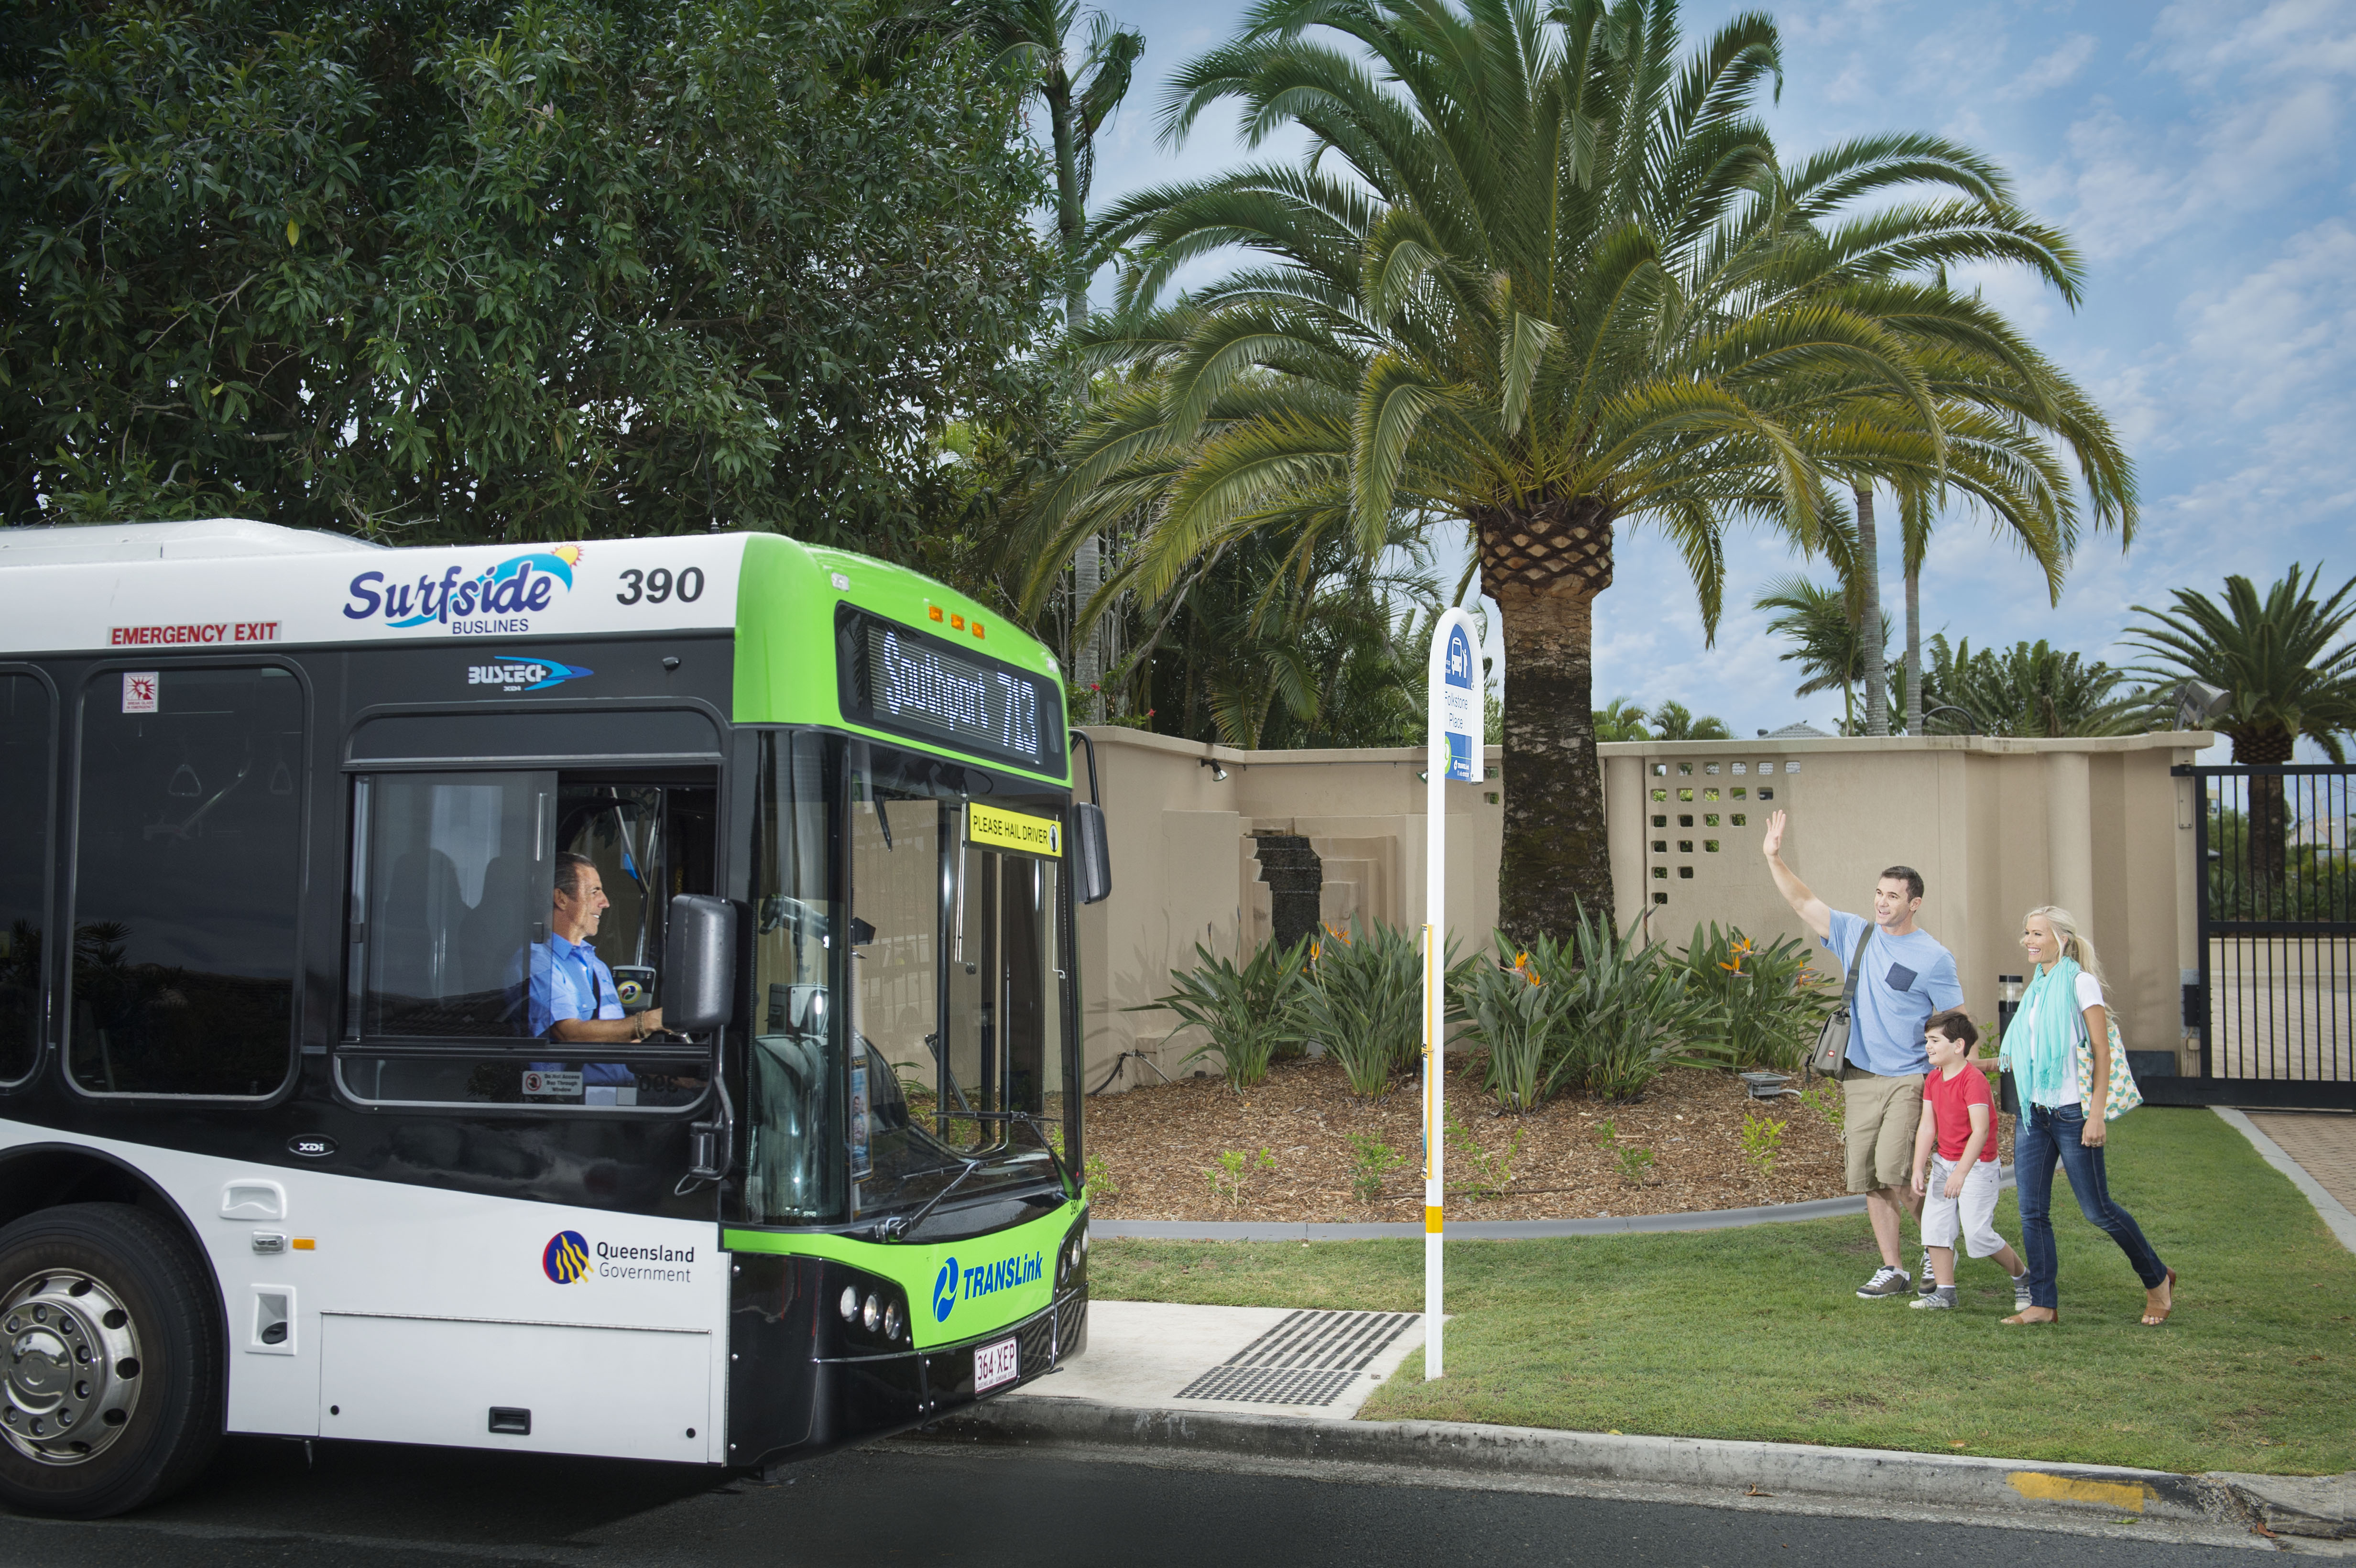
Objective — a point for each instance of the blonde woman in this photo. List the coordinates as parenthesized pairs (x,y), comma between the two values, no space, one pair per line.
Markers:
(2062,1118)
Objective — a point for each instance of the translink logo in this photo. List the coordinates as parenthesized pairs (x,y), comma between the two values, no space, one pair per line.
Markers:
(988,1279)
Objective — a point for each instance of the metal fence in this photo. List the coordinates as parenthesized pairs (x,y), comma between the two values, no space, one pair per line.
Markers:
(2276,1005)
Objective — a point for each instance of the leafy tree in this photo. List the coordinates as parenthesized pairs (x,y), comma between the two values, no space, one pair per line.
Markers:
(1830,649)
(2030,689)
(1080,85)
(2291,672)
(1622,720)
(1677,723)
(440,268)
(1540,277)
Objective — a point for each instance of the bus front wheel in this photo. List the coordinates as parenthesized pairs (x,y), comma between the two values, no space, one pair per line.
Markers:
(111,1365)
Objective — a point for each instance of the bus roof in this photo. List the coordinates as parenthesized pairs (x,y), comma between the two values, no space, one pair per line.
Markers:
(133,589)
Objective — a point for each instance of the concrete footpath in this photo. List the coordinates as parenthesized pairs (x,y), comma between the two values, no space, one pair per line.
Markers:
(1266,1388)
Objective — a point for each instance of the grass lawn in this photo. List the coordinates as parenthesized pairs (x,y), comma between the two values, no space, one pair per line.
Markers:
(1756,1333)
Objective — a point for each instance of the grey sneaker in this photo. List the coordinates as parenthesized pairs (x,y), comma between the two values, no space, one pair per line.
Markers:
(1942,1298)
(2020,1301)
(1926,1281)
(1886,1281)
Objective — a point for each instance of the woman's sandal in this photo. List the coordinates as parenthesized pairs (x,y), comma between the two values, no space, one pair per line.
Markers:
(2153,1317)
(2022,1320)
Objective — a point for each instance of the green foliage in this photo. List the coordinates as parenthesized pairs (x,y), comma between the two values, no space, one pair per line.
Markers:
(570,270)
(1606,1134)
(1677,722)
(2307,881)
(2284,658)
(1492,1170)
(1762,1140)
(1627,1011)
(1826,1100)
(2030,689)
(1623,721)
(1364,1001)
(1634,1165)
(1371,1163)
(1249,1013)
(1097,1183)
(1235,1168)
(1768,1009)
(1827,644)
(1514,1018)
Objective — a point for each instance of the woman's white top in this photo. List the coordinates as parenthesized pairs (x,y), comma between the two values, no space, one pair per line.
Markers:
(2090,994)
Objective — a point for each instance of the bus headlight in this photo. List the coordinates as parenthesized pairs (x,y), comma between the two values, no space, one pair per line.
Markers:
(870,1314)
(850,1302)
(892,1320)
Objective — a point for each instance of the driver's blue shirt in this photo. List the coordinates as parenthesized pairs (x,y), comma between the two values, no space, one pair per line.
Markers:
(569,981)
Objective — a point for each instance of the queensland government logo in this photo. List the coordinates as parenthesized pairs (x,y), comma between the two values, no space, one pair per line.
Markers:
(497,601)
(566,1257)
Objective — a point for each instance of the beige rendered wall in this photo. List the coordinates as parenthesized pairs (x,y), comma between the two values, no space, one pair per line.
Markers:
(1996,827)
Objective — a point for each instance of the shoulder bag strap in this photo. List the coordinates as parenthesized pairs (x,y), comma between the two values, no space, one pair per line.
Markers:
(1856,970)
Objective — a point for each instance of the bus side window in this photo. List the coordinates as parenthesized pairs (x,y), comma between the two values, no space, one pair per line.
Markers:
(25,772)
(188,880)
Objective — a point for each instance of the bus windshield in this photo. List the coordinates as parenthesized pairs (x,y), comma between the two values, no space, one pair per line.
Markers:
(930,1076)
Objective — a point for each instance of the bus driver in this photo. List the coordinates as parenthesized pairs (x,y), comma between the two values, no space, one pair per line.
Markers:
(572,995)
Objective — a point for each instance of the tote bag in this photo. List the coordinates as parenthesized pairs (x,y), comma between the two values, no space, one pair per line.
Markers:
(2124,1097)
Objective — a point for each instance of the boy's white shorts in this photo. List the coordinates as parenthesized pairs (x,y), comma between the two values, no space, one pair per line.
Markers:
(1974,1214)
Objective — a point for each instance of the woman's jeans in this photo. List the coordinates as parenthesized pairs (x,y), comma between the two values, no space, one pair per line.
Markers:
(2041,1134)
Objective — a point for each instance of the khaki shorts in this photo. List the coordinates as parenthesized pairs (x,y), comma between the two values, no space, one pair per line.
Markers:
(1878,1118)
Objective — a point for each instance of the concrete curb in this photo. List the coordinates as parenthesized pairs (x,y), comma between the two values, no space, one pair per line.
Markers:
(1882,1478)
(1481,1230)
(2335,1213)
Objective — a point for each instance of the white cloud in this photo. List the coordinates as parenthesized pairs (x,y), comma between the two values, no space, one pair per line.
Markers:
(2053,70)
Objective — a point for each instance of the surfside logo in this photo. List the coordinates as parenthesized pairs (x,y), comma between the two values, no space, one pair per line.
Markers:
(499,601)
(952,1283)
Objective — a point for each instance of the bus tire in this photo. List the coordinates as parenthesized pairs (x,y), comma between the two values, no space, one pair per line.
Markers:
(111,1330)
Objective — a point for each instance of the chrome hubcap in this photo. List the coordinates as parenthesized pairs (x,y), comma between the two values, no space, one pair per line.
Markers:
(72,1375)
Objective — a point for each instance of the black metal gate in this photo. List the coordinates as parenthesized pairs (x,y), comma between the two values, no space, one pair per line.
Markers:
(2276,998)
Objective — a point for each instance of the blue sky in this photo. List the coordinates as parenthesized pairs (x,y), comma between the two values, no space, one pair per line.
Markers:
(2198,153)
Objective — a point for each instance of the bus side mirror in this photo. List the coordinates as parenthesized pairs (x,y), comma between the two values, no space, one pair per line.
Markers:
(1091,856)
(700,964)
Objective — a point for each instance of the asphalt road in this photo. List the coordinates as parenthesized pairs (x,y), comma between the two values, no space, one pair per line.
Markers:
(368,1507)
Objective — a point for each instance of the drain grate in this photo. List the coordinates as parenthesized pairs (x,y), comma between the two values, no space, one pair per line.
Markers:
(1310,1357)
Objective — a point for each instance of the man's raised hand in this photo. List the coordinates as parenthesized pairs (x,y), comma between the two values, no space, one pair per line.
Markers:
(1772,844)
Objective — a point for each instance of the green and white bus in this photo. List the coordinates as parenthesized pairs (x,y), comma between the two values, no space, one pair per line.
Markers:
(612,998)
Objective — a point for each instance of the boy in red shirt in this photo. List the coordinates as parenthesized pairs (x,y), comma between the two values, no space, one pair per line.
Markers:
(1959,1118)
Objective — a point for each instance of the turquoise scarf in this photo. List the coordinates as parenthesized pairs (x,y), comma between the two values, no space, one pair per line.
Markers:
(2050,1065)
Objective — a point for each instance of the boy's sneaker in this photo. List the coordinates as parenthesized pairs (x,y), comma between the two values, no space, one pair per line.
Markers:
(2020,1301)
(1926,1281)
(1942,1298)
(1886,1281)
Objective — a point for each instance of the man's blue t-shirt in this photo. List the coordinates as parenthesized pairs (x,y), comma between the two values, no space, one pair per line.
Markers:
(1906,980)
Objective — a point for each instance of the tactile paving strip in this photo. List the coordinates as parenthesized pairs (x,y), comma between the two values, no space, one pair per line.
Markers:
(1310,1358)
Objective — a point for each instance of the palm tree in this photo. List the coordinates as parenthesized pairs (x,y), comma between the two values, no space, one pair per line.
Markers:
(2032,689)
(1081,86)
(1559,286)
(1828,647)
(2277,657)
(1621,720)
(1677,723)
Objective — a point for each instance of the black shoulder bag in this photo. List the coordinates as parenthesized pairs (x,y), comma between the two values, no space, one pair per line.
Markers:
(1830,1058)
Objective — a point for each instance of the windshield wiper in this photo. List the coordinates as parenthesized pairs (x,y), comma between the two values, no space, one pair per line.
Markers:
(895,1226)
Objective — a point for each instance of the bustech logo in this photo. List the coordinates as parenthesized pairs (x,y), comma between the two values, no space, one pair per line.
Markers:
(566,1257)
(988,1279)
(516,673)
(499,602)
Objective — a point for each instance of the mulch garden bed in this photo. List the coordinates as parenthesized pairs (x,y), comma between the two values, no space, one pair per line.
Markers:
(1159,1143)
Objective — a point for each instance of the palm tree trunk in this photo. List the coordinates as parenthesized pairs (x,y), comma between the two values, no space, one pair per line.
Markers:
(2268,827)
(1544,569)
(1868,560)
(1913,651)
(1071,225)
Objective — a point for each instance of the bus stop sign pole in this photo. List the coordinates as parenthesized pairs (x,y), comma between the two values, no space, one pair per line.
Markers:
(1454,688)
